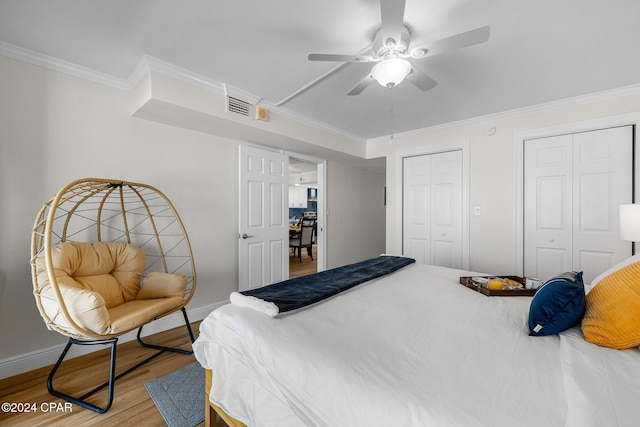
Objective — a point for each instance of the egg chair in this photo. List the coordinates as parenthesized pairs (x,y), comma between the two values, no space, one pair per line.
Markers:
(108,257)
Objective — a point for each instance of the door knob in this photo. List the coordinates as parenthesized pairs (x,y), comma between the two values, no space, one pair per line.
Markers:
(246,236)
(551,240)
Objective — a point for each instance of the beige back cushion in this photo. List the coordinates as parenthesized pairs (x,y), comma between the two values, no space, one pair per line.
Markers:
(111,269)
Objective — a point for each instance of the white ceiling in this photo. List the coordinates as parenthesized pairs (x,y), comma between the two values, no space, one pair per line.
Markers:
(539,51)
(300,166)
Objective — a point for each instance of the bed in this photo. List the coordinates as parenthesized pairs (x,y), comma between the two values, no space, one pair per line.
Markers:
(411,348)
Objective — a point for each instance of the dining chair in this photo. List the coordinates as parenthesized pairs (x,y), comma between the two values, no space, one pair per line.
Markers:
(304,238)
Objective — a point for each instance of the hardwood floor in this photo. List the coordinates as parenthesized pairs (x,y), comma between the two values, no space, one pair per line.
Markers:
(307,266)
(132,405)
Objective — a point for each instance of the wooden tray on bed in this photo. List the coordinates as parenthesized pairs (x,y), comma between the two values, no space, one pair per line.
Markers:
(522,292)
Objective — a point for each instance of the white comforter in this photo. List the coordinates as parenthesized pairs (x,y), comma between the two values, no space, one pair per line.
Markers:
(413,349)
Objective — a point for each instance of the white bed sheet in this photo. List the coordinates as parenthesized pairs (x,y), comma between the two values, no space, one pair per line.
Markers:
(412,349)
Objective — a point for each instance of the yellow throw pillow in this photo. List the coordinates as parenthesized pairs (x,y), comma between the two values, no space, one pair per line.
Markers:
(612,317)
(162,285)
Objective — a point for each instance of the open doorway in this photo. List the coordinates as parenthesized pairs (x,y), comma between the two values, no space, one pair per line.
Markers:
(306,219)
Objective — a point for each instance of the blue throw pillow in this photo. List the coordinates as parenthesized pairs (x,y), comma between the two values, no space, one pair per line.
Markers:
(557,305)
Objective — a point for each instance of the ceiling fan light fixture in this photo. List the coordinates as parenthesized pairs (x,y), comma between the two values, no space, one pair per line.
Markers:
(391,72)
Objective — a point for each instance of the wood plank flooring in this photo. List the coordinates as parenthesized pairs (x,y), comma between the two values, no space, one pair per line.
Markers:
(132,405)
(307,266)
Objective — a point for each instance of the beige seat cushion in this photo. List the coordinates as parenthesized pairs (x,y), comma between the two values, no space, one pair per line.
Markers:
(87,309)
(133,314)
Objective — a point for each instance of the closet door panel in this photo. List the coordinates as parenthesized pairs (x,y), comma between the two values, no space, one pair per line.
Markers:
(549,261)
(603,179)
(446,225)
(417,208)
(548,206)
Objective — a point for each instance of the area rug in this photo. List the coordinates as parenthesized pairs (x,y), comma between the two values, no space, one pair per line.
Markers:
(179,396)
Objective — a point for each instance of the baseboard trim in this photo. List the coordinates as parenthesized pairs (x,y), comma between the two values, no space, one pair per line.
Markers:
(47,356)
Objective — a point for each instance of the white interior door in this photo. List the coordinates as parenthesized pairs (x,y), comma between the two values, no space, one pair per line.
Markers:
(432,208)
(263,225)
(573,187)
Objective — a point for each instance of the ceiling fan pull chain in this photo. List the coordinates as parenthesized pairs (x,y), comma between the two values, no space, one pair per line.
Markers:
(391,116)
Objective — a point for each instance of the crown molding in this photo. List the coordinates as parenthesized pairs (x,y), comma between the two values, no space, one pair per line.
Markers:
(149,63)
(285,112)
(591,97)
(157,65)
(32,57)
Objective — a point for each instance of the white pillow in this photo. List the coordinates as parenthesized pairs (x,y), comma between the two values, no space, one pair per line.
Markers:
(626,262)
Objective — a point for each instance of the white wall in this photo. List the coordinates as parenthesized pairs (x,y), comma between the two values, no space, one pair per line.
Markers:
(356,215)
(55,128)
(493,173)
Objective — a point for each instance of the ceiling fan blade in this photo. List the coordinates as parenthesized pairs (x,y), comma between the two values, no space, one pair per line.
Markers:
(340,58)
(421,80)
(362,85)
(392,17)
(468,38)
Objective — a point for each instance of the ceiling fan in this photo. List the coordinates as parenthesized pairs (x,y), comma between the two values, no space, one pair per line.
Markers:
(391,51)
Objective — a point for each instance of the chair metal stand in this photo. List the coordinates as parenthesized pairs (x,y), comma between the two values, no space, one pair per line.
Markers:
(163,348)
(112,367)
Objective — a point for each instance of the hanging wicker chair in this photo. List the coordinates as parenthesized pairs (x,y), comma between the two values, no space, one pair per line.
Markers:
(108,257)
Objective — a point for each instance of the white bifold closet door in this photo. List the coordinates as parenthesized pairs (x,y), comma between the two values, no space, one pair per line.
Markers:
(432,208)
(573,185)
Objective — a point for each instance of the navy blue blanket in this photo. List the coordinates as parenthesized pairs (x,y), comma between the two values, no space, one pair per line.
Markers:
(302,291)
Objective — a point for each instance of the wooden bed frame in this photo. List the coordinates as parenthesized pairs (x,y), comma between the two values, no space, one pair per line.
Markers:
(214,414)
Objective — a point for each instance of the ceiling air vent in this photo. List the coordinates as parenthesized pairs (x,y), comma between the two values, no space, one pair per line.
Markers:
(238,106)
